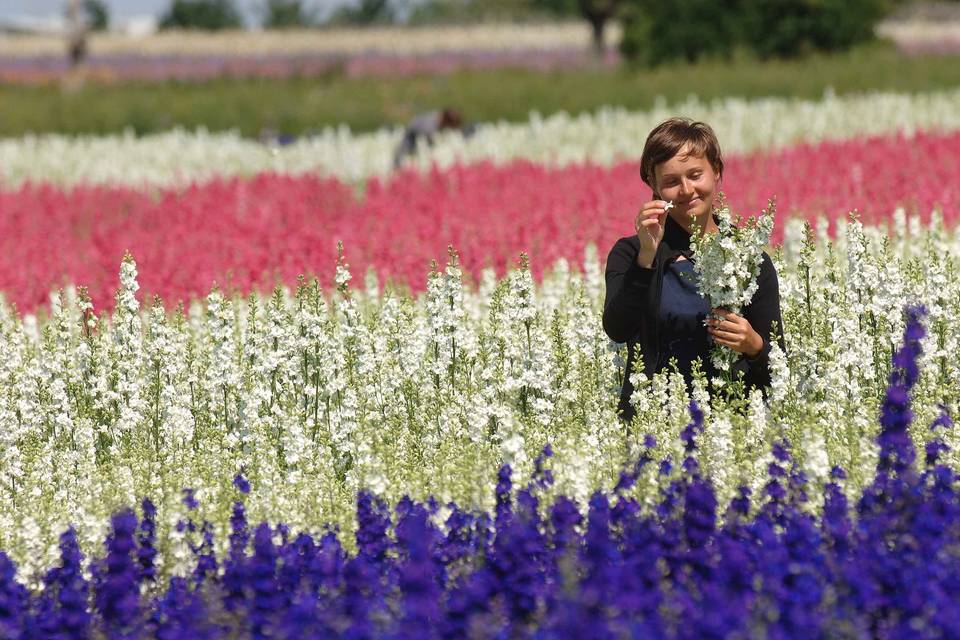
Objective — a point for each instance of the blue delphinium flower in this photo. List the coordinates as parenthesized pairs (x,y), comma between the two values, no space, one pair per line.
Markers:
(461,540)
(72,589)
(373,523)
(890,567)
(295,558)
(325,570)
(600,561)
(503,491)
(147,538)
(262,582)
(542,476)
(206,558)
(181,613)
(302,620)
(234,569)
(117,590)
(518,557)
(837,526)
(241,483)
(13,600)
(420,578)
(896,449)
(60,611)
(936,446)
(189,499)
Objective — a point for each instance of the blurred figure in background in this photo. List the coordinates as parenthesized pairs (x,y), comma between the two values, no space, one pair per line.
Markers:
(424,127)
(76,34)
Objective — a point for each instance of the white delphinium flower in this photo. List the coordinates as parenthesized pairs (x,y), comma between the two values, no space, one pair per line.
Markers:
(727,265)
(753,445)
(386,331)
(717,454)
(178,559)
(127,351)
(553,287)
(58,371)
(171,421)
(593,279)
(371,286)
(274,371)
(33,551)
(314,329)
(816,462)
(938,291)
(445,316)
(512,445)
(780,384)
(700,393)
(12,391)
(343,388)
(890,299)
(853,357)
(794,234)
(516,326)
(478,305)
(222,380)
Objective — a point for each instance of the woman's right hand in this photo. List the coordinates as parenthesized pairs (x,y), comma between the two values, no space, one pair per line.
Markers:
(649,225)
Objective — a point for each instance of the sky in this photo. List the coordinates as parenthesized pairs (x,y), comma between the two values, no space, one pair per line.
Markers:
(128,8)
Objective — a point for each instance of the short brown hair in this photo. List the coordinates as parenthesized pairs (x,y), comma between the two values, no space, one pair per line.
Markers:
(670,136)
(450,119)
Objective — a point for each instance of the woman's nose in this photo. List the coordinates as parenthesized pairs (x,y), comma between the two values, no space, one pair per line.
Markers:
(686,187)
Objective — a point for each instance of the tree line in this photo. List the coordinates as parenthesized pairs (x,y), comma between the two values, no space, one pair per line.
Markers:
(654,31)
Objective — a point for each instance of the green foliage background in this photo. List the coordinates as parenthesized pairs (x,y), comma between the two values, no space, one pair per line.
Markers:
(300,105)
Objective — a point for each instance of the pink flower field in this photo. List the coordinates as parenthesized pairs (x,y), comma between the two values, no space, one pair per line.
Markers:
(253,233)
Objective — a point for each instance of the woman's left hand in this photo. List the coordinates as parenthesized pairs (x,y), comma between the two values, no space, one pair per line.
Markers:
(735,332)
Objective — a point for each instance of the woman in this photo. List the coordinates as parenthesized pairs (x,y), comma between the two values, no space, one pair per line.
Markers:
(651,302)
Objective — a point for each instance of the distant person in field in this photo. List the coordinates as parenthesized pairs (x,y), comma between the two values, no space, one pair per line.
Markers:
(76,35)
(423,128)
(652,303)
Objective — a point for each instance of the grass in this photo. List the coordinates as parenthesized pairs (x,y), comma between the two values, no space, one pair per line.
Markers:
(300,105)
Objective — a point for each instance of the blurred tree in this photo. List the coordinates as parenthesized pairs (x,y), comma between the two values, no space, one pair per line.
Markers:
(97,14)
(561,8)
(366,12)
(789,28)
(599,13)
(468,11)
(202,14)
(280,14)
(655,32)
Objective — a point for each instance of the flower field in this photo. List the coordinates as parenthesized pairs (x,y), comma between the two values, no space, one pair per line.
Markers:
(606,137)
(316,400)
(254,233)
(186,56)
(255,431)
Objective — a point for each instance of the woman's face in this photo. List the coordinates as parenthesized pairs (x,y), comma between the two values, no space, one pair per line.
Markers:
(690,182)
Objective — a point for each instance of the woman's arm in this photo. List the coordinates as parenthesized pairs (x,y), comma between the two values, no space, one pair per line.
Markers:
(628,285)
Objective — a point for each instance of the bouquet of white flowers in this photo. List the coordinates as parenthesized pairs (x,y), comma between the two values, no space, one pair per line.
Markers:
(727,263)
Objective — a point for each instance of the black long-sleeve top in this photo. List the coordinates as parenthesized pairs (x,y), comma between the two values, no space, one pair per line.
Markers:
(631,309)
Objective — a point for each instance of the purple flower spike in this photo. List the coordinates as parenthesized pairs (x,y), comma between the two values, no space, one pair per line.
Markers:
(189,500)
(13,600)
(147,538)
(241,483)
(117,591)
(72,590)
(896,448)
(690,432)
